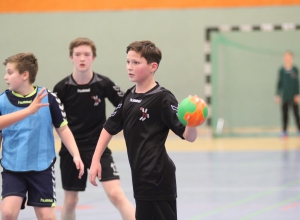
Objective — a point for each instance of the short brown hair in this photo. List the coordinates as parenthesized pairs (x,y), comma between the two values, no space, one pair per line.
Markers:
(147,49)
(82,41)
(25,62)
(289,52)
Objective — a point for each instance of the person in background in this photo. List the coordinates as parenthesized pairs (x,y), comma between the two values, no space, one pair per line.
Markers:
(287,93)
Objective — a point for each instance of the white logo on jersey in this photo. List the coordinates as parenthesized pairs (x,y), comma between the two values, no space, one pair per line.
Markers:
(115,111)
(117,88)
(175,108)
(83,90)
(119,106)
(144,114)
(60,105)
(135,100)
(96,99)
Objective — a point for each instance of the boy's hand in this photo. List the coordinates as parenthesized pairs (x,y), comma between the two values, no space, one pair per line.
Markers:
(277,99)
(37,102)
(296,99)
(79,165)
(95,171)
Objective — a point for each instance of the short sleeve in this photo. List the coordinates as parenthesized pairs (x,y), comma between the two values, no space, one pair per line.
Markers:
(57,111)
(113,92)
(58,91)
(114,124)
(169,114)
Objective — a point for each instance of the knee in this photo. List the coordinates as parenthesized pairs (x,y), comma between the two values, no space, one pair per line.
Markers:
(51,216)
(8,214)
(70,202)
(116,196)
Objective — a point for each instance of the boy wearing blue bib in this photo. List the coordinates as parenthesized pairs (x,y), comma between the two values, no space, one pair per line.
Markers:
(28,151)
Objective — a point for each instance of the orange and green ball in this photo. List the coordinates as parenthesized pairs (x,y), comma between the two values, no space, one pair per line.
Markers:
(192,111)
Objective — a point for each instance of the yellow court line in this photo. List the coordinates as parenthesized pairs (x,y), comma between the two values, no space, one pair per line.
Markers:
(204,143)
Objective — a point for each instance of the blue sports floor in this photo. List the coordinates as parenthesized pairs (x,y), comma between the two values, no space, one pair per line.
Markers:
(218,179)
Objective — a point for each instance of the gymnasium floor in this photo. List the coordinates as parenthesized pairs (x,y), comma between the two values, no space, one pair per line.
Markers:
(218,179)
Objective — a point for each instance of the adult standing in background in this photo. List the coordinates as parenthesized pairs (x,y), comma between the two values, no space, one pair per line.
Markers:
(288,91)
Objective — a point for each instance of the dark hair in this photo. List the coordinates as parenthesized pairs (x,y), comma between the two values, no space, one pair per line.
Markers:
(25,62)
(147,49)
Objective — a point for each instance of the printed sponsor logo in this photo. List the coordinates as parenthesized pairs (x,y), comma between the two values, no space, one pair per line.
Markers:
(115,171)
(83,90)
(135,100)
(24,102)
(46,200)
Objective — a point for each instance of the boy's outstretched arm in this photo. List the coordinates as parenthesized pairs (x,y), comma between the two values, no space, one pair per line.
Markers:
(95,169)
(190,133)
(9,119)
(67,138)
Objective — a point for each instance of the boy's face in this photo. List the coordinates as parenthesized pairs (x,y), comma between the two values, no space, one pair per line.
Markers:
(82,58)
(13,78)
(137,67)
(288,59)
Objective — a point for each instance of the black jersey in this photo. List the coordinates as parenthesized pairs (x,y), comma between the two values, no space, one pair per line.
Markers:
(85,107)
(146,120)
(288,83)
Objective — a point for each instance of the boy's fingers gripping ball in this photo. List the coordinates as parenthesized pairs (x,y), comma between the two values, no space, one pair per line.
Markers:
(192,111)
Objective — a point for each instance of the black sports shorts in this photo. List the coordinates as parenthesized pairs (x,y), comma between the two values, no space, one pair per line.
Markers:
(39,186)
(156,210)
(69,173)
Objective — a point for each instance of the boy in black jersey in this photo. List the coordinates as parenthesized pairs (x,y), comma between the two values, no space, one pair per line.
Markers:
(287,92)
(83,95)
(146,114)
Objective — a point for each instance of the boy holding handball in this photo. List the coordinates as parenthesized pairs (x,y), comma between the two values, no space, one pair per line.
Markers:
(146,114)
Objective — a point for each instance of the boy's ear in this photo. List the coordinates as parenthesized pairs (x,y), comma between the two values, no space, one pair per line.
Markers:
(25,75)
(154,67)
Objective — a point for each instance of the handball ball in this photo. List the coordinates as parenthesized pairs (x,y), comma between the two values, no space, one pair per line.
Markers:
(192,111)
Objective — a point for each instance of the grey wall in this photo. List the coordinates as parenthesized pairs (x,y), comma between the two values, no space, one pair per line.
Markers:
(179,34)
